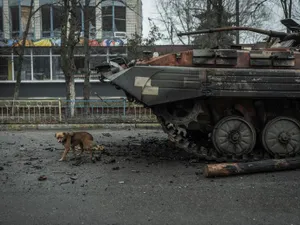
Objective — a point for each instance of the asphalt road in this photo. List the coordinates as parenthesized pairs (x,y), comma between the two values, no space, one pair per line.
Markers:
(139,180)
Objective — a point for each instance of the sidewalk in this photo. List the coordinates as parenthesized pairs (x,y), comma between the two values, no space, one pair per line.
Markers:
(117,126)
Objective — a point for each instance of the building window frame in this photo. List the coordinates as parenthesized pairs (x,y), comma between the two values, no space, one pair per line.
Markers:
(51,54)
(51,16)
(19,31)
(114,17)
(1,20)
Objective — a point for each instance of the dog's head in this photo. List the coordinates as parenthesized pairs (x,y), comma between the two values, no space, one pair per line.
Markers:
(61,136)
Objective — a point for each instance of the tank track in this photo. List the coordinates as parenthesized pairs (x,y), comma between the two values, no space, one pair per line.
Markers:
(176,135)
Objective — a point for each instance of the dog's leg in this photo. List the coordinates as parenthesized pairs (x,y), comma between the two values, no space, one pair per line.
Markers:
(88,146)
(81,149)
(74,151)
(92,155)
(64,155)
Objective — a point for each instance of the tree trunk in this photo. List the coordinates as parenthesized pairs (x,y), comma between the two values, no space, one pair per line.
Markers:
(86,86)
(70,90)
(237,20)
(18,75)
(21,53)
(21,59)
(219,7)
(69,39)
(271,165)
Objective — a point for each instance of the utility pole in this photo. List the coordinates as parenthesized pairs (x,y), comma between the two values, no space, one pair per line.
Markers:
(237,20)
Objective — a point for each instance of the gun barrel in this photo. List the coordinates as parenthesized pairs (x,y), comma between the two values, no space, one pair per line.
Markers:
(256,30)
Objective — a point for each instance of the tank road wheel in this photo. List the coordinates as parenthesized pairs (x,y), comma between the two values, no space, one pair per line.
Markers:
(281,136)
(234,136)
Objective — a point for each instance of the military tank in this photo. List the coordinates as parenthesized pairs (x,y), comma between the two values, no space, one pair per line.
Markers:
(232,104)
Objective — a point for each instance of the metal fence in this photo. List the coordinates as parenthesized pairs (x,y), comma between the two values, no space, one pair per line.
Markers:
(56,111)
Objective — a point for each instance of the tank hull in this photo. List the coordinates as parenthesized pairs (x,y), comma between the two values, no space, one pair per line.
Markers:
(222,104)
(154,85)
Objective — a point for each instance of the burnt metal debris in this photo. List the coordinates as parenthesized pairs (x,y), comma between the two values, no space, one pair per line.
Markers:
(270,165)
(225,105)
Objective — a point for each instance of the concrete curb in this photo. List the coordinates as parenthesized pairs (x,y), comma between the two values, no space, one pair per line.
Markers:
(121,126)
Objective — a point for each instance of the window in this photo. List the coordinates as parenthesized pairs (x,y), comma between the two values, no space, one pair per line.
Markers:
(57,20)
(4,68)
(19,14)
(56,68)
(120,18)
(16,2)
(37,66)
(1,19)
(113,18)
(120,25)
(79,64)
(120,12)
(46,26)
(52,19)
(90,15)
(26,68)
(78,19)
(25,11)
(15,21)
(41,68)
(107,23)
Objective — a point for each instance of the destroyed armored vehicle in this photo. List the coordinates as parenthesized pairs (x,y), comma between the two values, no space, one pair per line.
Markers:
(222,104)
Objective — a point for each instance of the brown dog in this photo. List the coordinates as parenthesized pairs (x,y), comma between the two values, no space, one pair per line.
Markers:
(84,139)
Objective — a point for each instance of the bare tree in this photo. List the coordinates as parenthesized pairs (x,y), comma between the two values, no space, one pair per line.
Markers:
(20,49)
(70,33)
(287,6)
(249,13)
(290,9)
(87,51)
(253,14)
(86,86)
(177,16)
(188,15)
(137,42)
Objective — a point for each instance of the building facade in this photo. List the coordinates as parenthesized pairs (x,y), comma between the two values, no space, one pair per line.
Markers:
(107,18)
(41,73)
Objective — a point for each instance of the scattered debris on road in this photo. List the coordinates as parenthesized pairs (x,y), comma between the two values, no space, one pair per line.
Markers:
(106,134)
(110,161)
(64,182)
(74,178)
(51,149)
(42,178)
(33,158)
(37,167)
(116,168)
